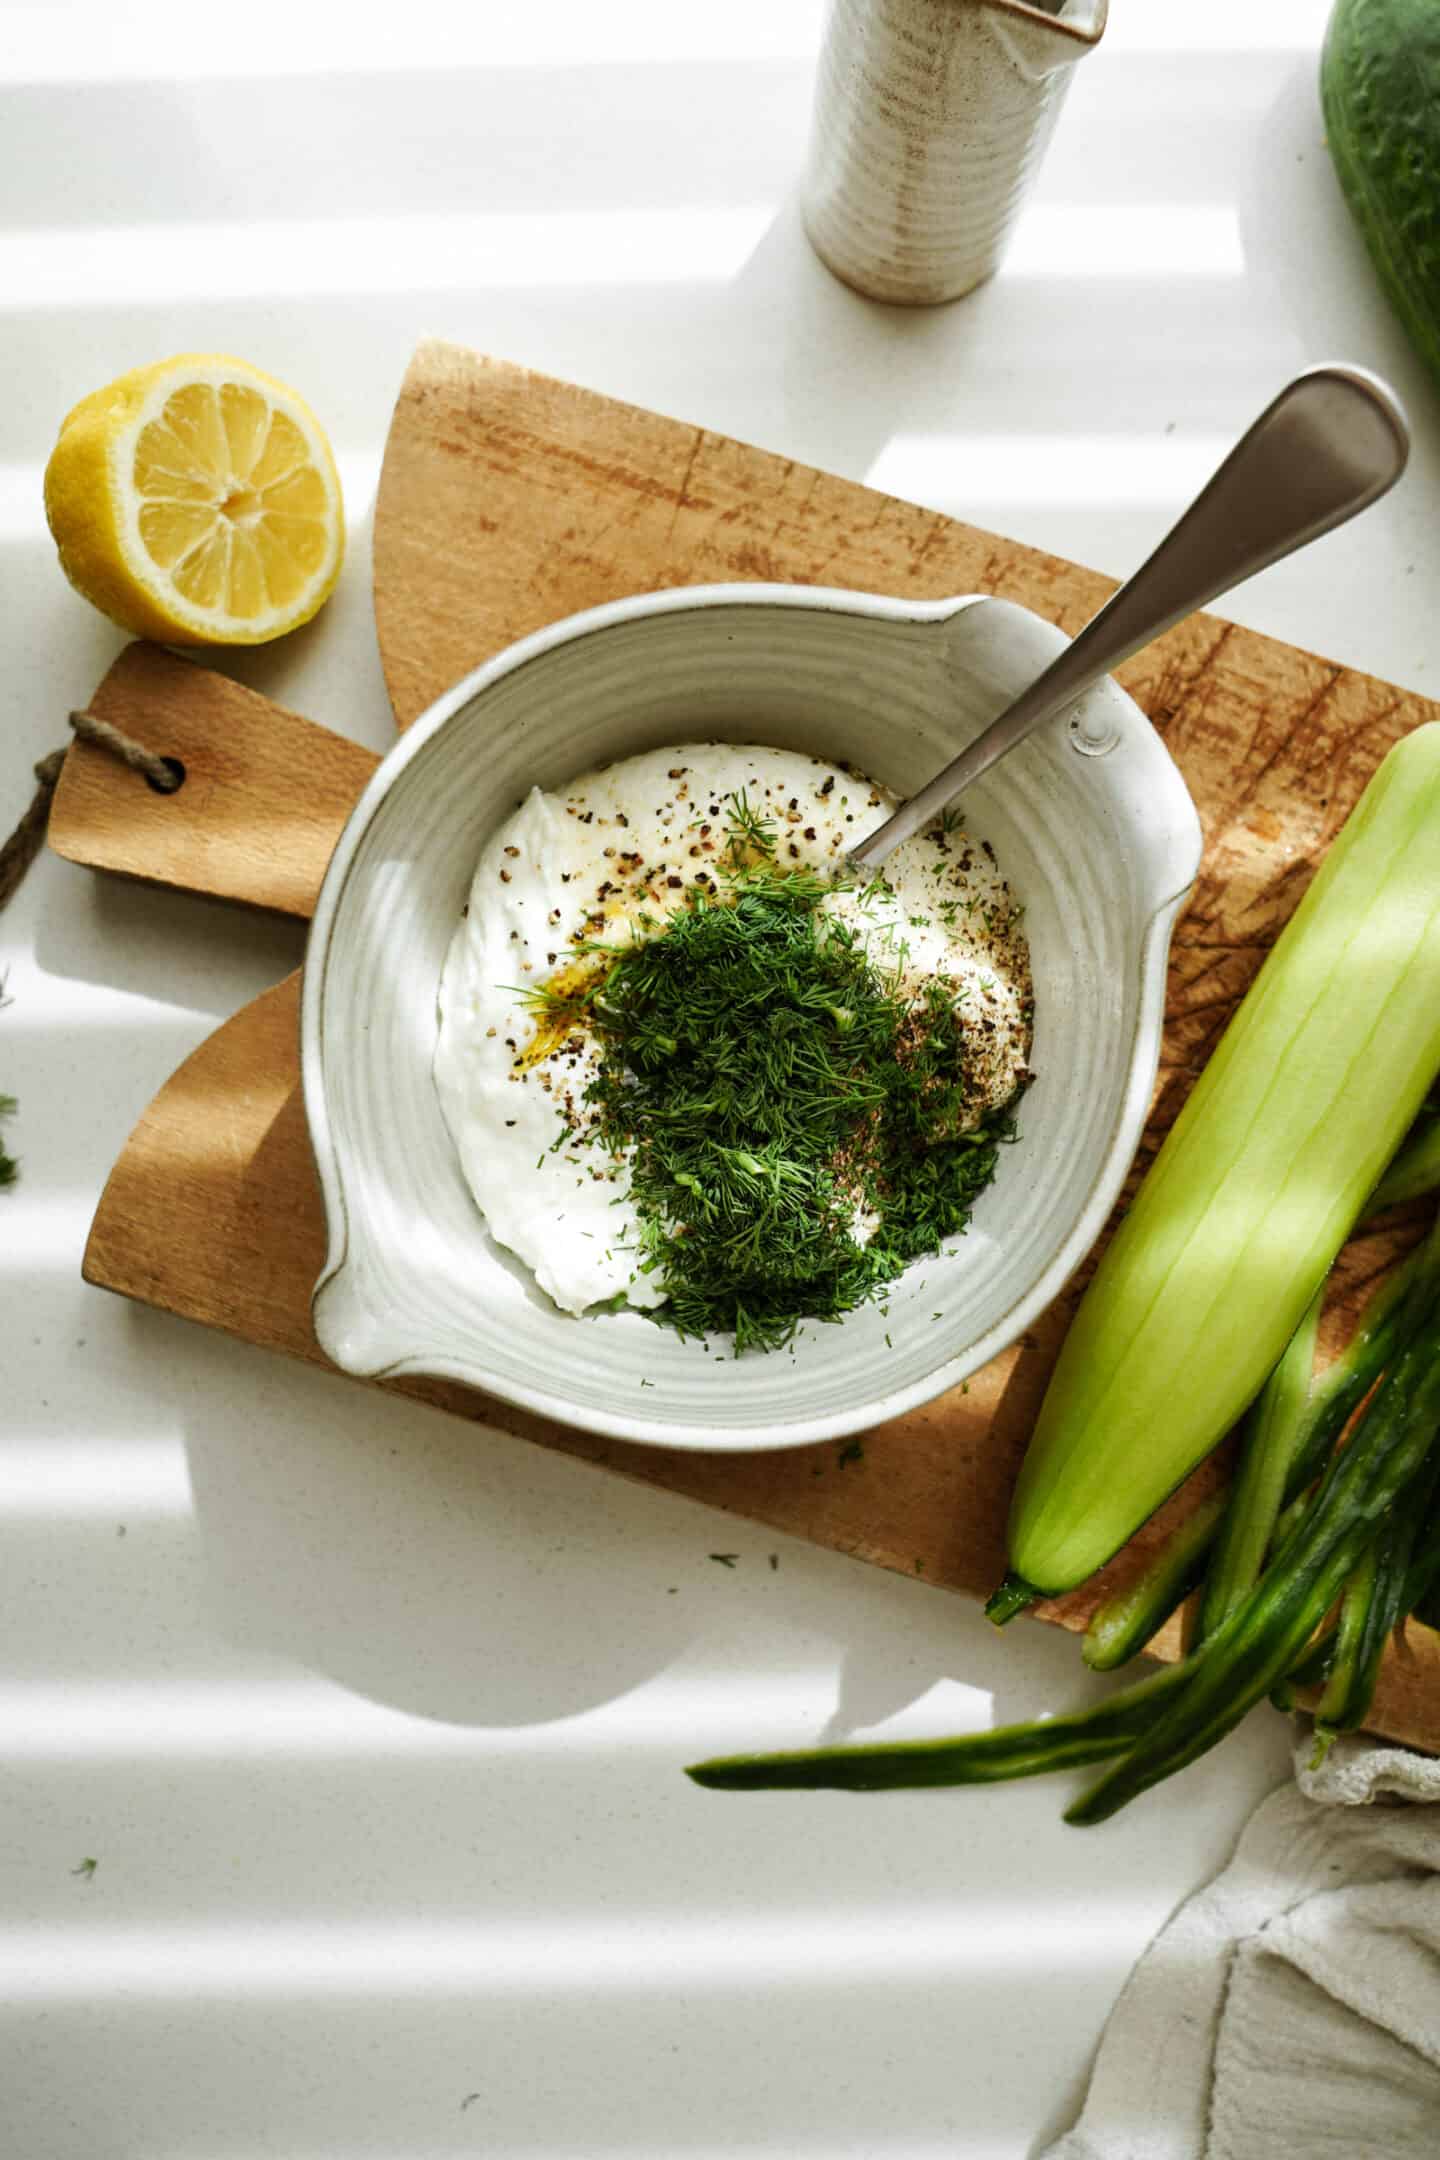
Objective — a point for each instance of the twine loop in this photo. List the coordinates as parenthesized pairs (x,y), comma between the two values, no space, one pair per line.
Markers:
(163,774)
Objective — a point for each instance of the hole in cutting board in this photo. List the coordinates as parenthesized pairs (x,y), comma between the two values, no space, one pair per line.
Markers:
(176,769)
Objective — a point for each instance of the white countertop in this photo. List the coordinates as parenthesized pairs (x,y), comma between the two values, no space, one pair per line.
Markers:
(373,1722)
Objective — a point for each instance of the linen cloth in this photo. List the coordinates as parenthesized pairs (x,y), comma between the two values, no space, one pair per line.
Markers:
(1291,2007)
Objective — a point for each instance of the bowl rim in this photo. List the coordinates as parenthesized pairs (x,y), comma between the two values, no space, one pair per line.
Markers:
(1141,1052)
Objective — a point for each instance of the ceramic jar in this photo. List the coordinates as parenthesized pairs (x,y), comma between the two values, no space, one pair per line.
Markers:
(930,119)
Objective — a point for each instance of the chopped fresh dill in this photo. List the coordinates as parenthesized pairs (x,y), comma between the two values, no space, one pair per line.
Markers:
(799,1126)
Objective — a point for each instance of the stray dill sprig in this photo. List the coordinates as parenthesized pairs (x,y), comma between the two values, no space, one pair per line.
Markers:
(748,833)
(550,1001)
(9,1167)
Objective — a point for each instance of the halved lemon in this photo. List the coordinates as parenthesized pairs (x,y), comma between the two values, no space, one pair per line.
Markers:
(197,502)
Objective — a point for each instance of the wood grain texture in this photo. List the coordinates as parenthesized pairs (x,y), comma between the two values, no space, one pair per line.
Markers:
(225,1142)
(264,797)
(508,500)
(224,1153)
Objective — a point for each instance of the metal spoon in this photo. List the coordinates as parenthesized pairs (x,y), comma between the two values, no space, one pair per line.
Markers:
(1330,444)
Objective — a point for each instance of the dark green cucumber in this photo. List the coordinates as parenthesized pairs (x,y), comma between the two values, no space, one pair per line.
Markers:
(1380,93)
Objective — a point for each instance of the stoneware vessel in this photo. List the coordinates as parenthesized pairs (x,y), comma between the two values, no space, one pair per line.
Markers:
(1092,825)
(930,119)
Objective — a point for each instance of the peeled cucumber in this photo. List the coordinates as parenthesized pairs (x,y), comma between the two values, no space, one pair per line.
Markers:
(1308,1094)
(1380,92)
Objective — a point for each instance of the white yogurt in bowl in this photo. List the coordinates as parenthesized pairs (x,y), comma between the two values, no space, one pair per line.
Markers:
(1099,849)
(615,855)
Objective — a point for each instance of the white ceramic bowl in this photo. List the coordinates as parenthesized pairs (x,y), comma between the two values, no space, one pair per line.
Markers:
(1101,849)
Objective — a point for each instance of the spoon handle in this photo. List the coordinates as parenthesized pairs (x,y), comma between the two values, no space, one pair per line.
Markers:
(1330,444)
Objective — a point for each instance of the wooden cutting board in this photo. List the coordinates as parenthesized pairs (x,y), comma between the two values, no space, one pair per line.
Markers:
(507,500)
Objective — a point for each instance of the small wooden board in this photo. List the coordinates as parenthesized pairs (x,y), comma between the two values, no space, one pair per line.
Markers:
(507,500)
(263,801)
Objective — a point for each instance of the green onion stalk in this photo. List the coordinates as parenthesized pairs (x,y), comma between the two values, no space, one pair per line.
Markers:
(1376,1599)
(1157,1725)
(1263,1636)
(1286,1438)
(1311,1669)
(1008,1751)
(1414,1169)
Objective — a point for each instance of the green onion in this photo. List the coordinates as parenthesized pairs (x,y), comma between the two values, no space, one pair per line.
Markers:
(1374,1603)
(1387,1476)
(1415,1170)
(1263,1636)
(1008,1751)
(1343,1681)
(1309,1670)
(1126,1622)
(1270,1442)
